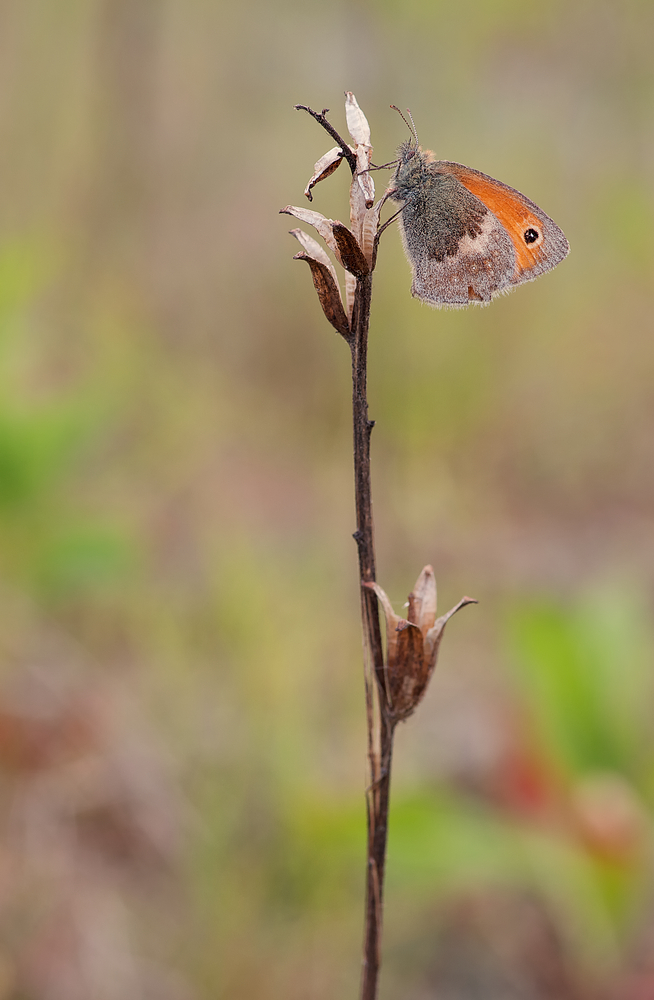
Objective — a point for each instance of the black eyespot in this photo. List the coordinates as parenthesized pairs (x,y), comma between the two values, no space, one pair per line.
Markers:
(531,235)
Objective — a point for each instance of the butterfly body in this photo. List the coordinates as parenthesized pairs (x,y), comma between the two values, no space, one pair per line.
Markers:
(467,236)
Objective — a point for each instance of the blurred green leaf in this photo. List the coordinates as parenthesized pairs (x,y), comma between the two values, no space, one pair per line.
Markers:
(85,559)
(581,668)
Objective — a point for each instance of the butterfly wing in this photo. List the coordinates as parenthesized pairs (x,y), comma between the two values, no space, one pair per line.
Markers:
(458,249)
(538,242)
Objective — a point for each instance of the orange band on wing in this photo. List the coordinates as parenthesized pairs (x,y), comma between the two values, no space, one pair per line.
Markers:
(509,206)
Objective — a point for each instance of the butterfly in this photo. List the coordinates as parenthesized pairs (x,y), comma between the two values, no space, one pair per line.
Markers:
(467,236)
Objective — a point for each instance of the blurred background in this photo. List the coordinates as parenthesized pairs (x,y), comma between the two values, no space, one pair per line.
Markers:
(182,741)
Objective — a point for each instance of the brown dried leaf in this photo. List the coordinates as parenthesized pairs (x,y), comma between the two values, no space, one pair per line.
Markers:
(357,123)
(349,252)
(323,167)
(328,294)
(314,250)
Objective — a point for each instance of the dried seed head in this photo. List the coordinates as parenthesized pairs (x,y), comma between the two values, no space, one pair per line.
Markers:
(412,643)
(355,247)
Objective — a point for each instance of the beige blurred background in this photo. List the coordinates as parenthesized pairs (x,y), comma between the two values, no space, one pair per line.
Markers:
(182,743)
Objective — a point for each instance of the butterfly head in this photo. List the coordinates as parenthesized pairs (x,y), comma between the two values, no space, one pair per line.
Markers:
(409,176)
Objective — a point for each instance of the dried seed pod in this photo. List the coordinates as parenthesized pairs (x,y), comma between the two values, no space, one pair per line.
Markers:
(354,247)
(412,643)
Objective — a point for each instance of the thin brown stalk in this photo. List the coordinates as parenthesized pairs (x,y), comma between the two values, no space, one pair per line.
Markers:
(380,726)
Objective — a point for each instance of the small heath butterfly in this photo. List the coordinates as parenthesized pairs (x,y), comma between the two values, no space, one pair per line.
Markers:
(467,236)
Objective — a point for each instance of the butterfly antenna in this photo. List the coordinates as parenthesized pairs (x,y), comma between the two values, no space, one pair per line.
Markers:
(411,127)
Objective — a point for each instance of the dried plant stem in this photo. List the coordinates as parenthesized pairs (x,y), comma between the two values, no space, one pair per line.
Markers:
(380,726)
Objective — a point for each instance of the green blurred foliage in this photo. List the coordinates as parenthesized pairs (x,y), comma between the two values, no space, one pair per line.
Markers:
(588,674)
(175,491)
